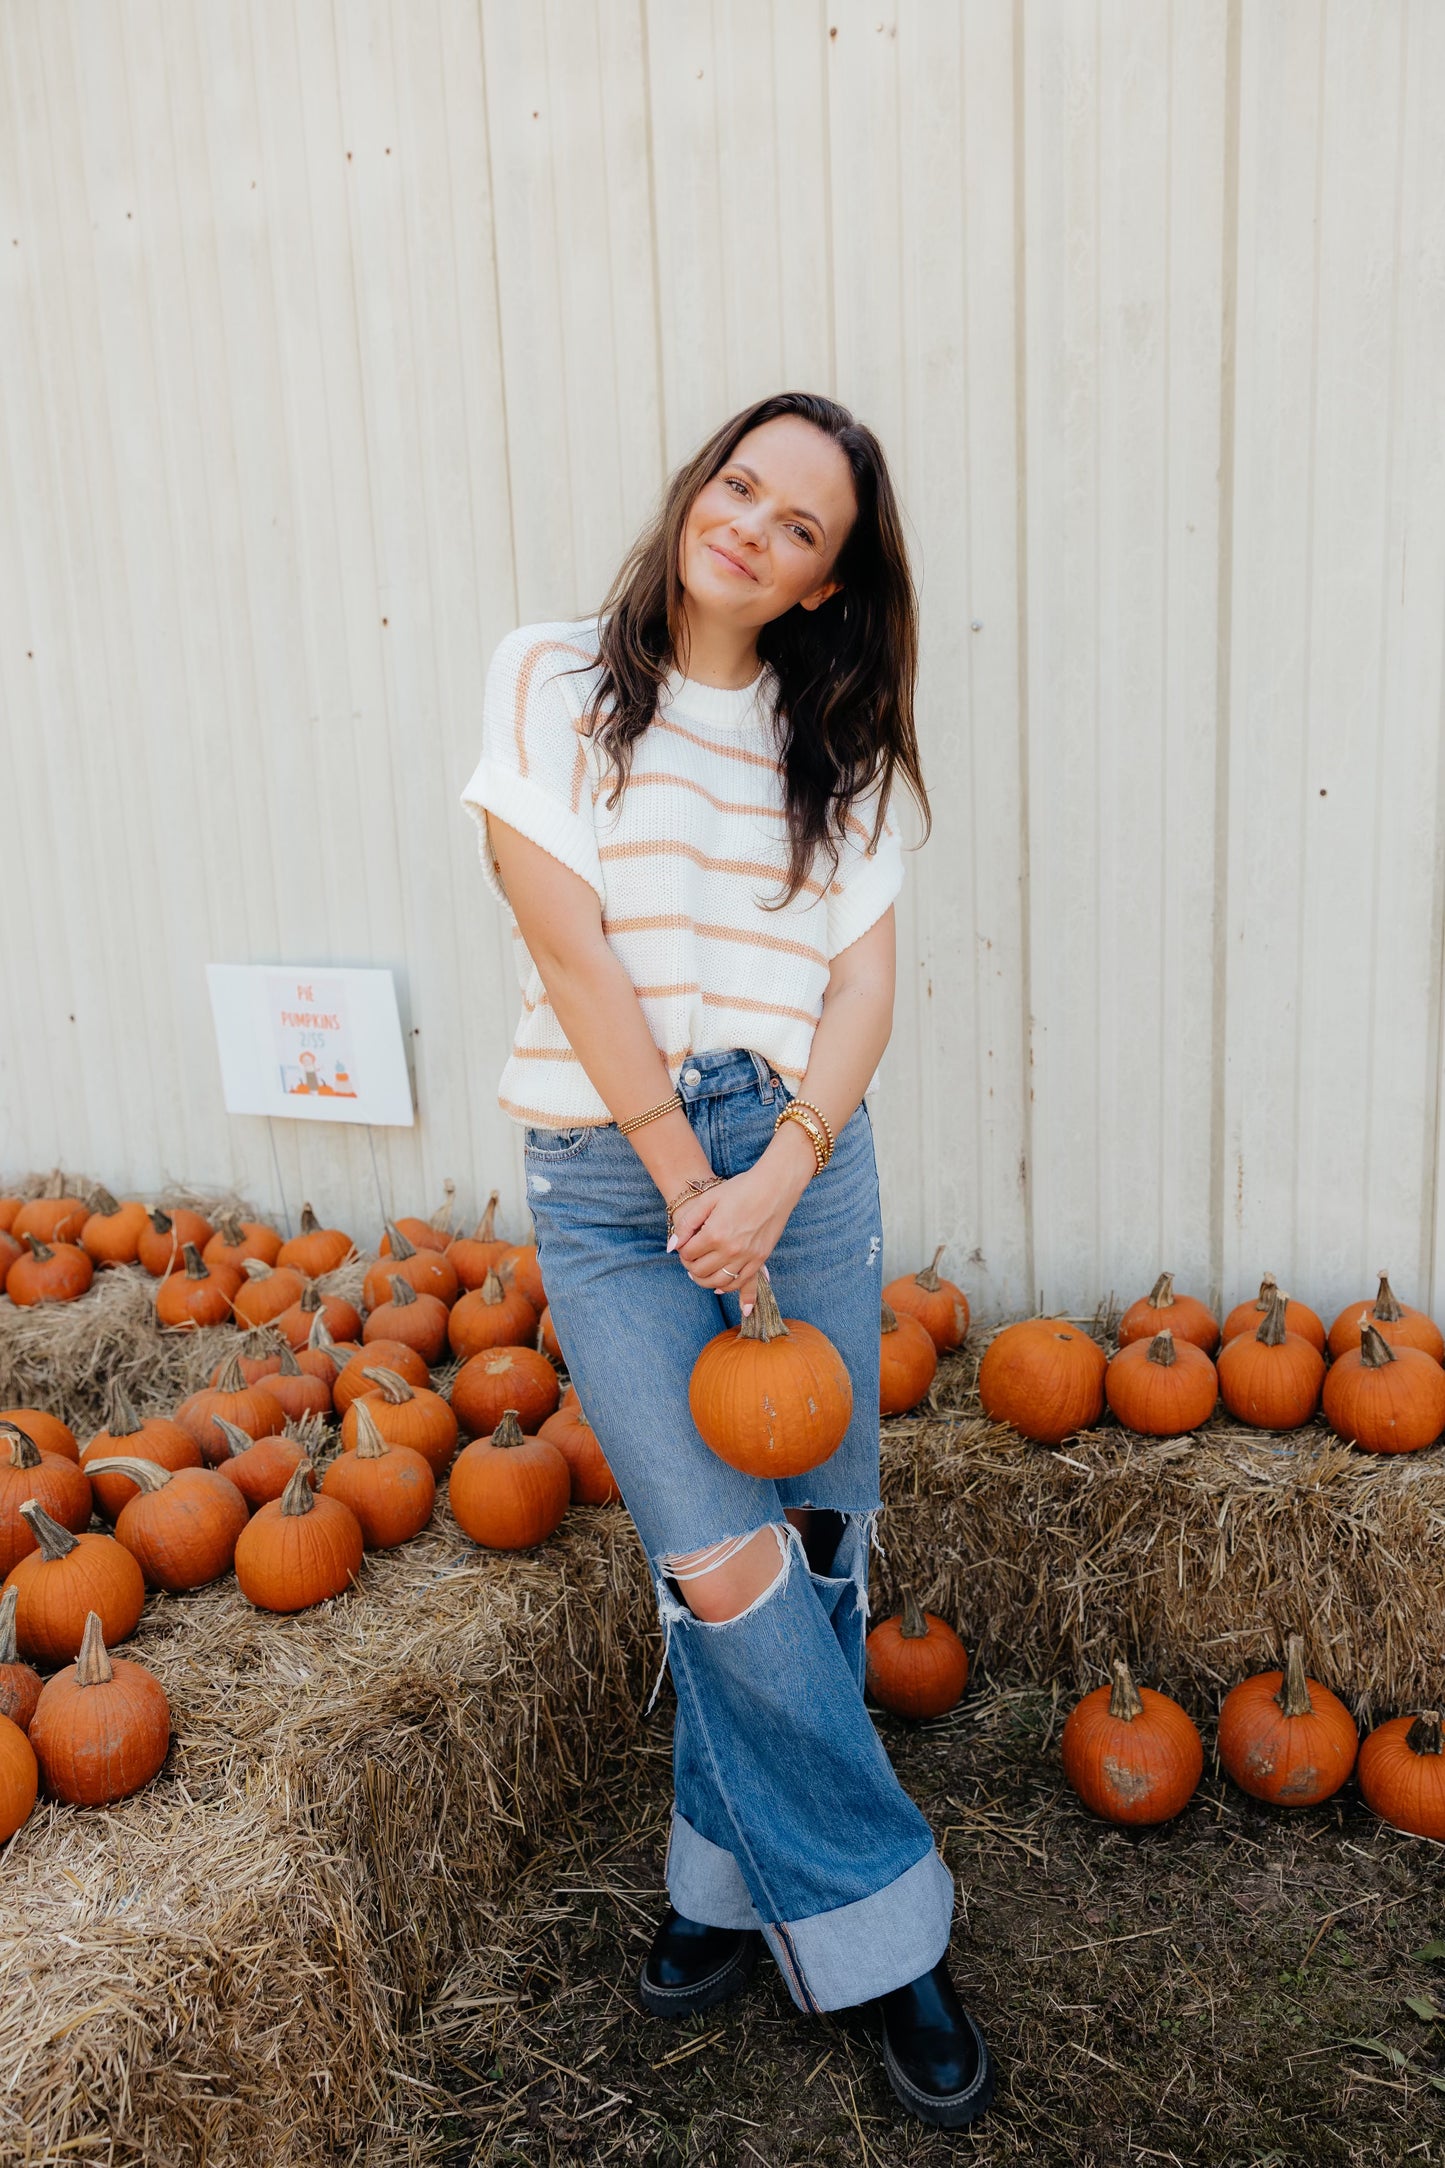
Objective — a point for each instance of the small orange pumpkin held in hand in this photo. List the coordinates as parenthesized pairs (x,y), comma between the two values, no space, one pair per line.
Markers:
(19,1682)
(63,1580)
(1131,1754)
(101,1727)
(50,1272)
(1183,1315)
(180,1525)
(1161,1387)
(917,1666)
(1044,1377)
(907,1361)
(593,1483)
(1271,1377)
(1284,1738)
(940,1307)
(769,1396)
(509,1491)
(1387,1399)
(1298,1316)
(1392,1319)
(390,1488)
(298,1549)
(19,1778)
(1402,1774)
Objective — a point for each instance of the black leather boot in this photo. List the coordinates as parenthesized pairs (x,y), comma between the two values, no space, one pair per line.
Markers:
(935,2056)
(690,1967)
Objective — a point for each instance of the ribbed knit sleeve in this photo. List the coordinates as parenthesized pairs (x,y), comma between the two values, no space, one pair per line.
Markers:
(533,772)
(868,882)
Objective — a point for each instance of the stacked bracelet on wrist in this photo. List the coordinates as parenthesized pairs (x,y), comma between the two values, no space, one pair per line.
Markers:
(635,1121)
(815,1122)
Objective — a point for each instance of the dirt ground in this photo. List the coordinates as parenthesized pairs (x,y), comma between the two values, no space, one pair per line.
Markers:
(1239,1987)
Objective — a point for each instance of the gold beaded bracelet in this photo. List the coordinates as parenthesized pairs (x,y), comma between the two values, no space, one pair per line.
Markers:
(827,1125)
(635,1121)
(794,1111)
(695,1188)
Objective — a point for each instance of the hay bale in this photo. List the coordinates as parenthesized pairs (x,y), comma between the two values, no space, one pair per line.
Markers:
(1192,1555)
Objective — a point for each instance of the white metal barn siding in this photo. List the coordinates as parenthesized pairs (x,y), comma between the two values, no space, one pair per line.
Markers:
(338,340)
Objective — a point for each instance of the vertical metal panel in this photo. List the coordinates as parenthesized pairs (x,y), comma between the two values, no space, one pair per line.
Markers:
(337,341)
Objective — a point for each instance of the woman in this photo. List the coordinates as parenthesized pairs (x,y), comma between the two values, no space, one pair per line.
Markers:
(684,803)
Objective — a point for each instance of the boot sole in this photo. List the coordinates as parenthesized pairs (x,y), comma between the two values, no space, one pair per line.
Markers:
(948,2111)
(704,1994)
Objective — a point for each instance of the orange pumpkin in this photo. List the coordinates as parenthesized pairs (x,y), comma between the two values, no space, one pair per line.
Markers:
(111,1232)
(940,1306)
(405,1414)
(425,1272)
(51,1272)
(1402,1774)
(518,1267)
(1044,1377)
(154,1438)
(27,1473)
(509,1491)
(490,1316)
(341,1318)
(19,1778)
(547,1339)
(390,1488)
(55,1216)
(11,1253)
(1131,1754)
(49,1433)
(352,1381)
(1298,1316)
(66,1577)
(1284,1738)
(252,1408)
(916,1664)
(201,1295)
(426,1234)
(593,1483)
(473,1256)
(769,1396)
(1392,1319)
(101,1727)
(316,1250)
(501,1378)
(298,1549)
(1162,1387)
(1271,1377)
(300,1389)
(238,1241)
(908,1359)
(162,1241)
(259,1468)
(19,1683)
(420,1321)
(1162,1309)
(180,1525)
(1389,1399)
(267,1292)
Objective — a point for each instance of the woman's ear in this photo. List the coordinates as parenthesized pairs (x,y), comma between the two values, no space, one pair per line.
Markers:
(820,595)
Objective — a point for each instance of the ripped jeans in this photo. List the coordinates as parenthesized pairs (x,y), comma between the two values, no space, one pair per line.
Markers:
(787,1814)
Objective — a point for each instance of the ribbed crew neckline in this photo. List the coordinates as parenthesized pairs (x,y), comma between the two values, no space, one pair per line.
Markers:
(724,707)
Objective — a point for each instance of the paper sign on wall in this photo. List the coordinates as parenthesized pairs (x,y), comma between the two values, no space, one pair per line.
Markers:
(312,1043)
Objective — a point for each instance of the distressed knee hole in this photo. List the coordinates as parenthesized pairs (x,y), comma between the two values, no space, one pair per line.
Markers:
(726,1579)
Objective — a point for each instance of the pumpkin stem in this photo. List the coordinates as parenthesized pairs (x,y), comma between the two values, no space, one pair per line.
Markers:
(101,1201)
(196,1268)
(9,1653)
(123,1421)
(1271,1332)
(400,1247)
(24,1452)
(765,1320)
(1375,1349)
(1267,1287)
(508,1430)
(915,1625)
(161,1221)
(1387,1309)
(297,1497)
(394,1389)
(1161,1294)
(492,1288)
(310,1297)
(319,1338)
(487,1224)
(1125,1700)
(370,1444)
(237,1440)
(441,1219)
(255,1269)
(231,1378)
(1423,1737)
(1161,1347)
(403,1294)
(928,1278)
(1294,1693)
(290,1368)
(55,1542)
(310,1224)
(40,1249)
(93,1665)
(229,1228)
(888,1317)
(147,1475)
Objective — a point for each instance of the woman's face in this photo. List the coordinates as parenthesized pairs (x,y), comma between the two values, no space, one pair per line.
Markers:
(765,532)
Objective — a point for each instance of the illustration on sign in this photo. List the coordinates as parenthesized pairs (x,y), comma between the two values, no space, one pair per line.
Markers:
(308,1021)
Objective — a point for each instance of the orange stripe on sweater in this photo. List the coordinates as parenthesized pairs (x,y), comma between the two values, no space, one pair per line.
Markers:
(530,661)
(763,1008)
(663,848)
(679,921)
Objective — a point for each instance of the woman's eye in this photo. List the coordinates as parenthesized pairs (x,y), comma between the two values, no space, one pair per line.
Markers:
(803,534)
(734,483)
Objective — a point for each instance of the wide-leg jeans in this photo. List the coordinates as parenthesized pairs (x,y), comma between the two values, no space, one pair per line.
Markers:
(787,1815)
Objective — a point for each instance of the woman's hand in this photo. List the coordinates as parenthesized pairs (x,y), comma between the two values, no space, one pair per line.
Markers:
(725,1237)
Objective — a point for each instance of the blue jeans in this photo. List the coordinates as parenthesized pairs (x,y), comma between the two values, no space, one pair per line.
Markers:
(787,1815)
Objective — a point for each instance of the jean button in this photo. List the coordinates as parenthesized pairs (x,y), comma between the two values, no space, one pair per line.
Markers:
(692,1076)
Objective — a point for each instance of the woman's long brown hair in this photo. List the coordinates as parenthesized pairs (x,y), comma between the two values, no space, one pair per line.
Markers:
(846,671)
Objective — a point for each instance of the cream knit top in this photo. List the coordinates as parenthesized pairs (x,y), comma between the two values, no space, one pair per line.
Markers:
(681,867)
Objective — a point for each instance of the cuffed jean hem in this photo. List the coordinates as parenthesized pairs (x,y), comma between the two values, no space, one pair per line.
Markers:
(832,1959)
